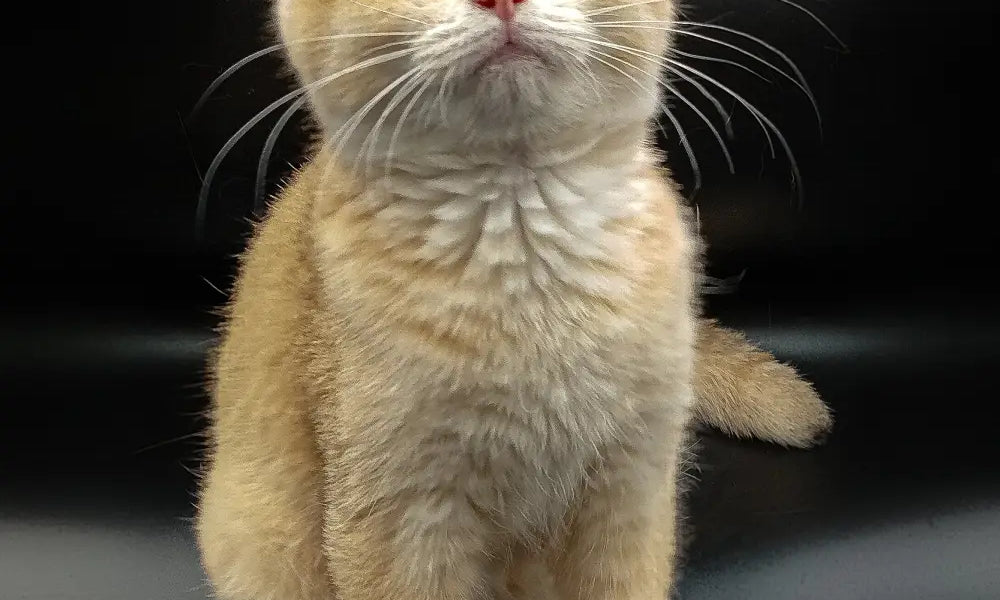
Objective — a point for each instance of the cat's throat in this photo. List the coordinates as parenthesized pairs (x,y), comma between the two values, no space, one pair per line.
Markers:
(516,224)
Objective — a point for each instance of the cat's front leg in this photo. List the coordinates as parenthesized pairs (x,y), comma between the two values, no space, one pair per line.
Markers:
(423,541)
(621,544)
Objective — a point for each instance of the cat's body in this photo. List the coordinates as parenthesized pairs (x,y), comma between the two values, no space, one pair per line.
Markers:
(470,374)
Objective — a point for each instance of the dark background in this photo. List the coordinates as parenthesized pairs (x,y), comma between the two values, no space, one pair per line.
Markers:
(881,288)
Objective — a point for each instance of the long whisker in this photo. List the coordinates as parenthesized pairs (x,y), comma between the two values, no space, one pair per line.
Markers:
(602,11)
(796,174)
(368,145)
(352,124)
(392,14)
(218,81)
(715,59)
(389,155)
(674,91)
(753,111)
(596,84)
(272,139)
(242,131)
(818,20)
(760,42)
(652,57)
(265,155)
(381,47)
(446,80)
(659,60)
(279,126)
(771,47)
(800,82)
(586,72)
(685,143)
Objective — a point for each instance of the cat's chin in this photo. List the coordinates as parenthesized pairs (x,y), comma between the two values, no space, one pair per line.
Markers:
(511,57)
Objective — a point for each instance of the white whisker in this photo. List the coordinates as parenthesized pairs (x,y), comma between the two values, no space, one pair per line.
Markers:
(381,47)
(242,131)
(392,14)
(265,155)
(658,60)
(818,20)
(726,117)
(218,81)
(368,145)
(602,11)
(346,131)
(761,118)
(402,119)
(446,81)
(800,82)
(669,64)
(685,143)
(595,83)
(760,42)
(723,61)
(272,139)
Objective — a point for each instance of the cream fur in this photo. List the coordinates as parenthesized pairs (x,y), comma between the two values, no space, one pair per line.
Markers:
(468,372)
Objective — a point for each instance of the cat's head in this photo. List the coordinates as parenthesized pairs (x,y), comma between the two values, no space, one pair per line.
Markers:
(483,71)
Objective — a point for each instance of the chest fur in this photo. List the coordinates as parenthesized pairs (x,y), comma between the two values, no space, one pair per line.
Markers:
(496,345)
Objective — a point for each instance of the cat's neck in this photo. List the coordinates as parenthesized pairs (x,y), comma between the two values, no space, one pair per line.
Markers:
(518,218)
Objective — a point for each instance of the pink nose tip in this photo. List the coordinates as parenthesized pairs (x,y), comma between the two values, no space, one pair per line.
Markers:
(503,8)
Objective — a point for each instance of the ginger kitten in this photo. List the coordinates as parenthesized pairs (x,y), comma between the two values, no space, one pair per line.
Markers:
(464,349)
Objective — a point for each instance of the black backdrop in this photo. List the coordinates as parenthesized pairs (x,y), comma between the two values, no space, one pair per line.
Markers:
(881,287)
